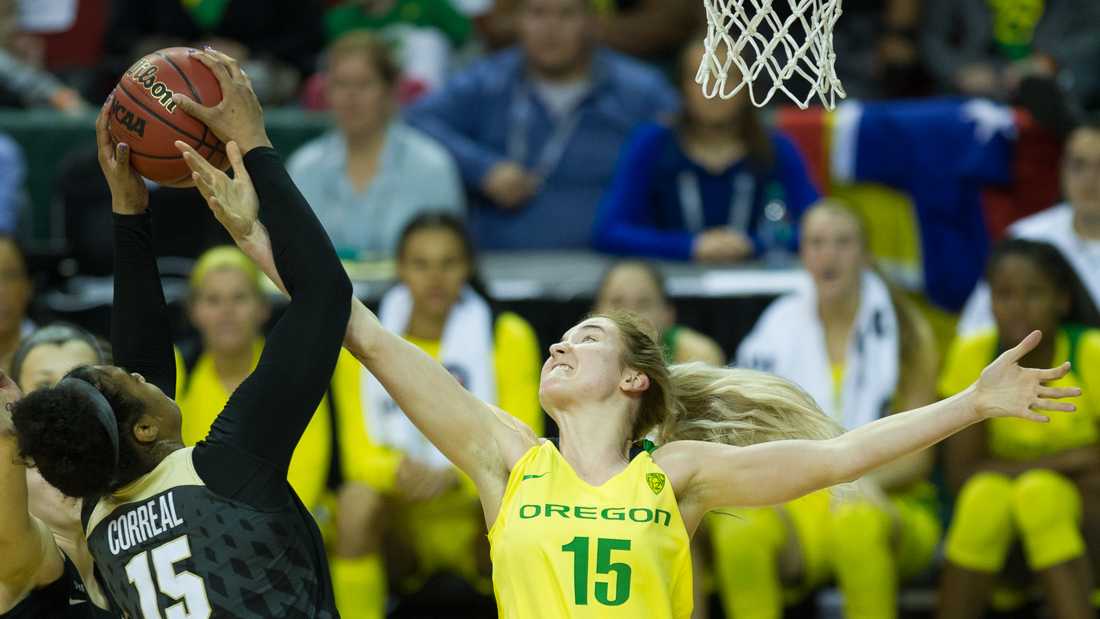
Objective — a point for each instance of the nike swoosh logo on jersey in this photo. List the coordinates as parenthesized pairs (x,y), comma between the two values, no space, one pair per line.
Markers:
(73,602)
(526,477)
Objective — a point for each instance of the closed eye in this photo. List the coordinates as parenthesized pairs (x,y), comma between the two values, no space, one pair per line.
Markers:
(589,338)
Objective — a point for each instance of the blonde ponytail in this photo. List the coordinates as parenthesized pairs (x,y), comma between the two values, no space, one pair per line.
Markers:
(696,401)
(740,407)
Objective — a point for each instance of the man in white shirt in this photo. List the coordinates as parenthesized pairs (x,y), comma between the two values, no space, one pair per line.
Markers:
(1072,226)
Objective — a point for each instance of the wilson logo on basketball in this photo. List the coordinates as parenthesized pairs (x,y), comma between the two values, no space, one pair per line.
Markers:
(126,118)
(145,73)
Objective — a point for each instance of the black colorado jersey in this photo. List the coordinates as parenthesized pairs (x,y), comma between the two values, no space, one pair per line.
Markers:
(216,530)
(169,541)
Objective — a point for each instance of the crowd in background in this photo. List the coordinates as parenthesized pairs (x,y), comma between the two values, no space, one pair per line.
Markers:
(467,126)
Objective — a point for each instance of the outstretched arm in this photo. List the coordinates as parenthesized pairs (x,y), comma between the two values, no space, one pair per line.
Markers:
(141,334)
(480,439)
(268,413)
(708,475)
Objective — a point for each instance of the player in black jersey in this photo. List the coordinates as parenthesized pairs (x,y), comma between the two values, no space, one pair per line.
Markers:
(38,578)
(214,530)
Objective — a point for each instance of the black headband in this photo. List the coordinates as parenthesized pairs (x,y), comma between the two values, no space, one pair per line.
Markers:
(103,411)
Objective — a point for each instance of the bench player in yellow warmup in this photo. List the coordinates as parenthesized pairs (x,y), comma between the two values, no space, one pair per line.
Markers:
(593,527)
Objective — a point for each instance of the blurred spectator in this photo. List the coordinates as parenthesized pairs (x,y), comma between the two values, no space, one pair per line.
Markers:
(536,130)
(47,355)
(1033,484)
(876,44)
(985,47)
(878,49)
(374,173)
(276,41)
(649,28)
(1073,227)
(22,80)
(440,307)
(229,310)
(15,297)
(862,352)
(639,287)
(698,190)
(425,33)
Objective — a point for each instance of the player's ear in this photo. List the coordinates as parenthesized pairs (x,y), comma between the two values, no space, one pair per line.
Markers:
(634,382)
(146,429)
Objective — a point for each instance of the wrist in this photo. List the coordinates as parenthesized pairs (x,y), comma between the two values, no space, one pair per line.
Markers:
(969,407)
(119,207)
(249,143)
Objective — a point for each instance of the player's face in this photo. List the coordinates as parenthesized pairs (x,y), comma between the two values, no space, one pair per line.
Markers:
(228,311)
(585,366)
(15,287)
(704,111)
(555,34)
(833,254)
(46,364)
(630,288)
(1025,299)
(360,100)
(1081,172)
(435,267)
(162,409)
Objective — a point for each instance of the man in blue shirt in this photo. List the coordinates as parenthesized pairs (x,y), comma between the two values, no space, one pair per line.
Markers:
(536,129)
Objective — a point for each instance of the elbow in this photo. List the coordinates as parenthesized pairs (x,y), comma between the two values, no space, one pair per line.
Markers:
(841,461)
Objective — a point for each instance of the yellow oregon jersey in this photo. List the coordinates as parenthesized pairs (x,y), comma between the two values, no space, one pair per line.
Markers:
(1018,439)
(205,396)
(563,548)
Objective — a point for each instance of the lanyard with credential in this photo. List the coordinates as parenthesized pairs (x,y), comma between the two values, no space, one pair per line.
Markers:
(691,201)
(518,139)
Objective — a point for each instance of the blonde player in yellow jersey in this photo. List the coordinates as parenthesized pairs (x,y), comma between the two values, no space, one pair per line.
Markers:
(589,527)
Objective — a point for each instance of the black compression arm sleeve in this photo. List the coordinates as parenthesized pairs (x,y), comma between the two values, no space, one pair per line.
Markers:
(140,331)
(268,413)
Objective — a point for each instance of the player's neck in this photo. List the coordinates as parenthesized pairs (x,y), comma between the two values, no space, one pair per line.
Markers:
(712,134)
(368,140)
(425,326)
(233,366)
(839,312)
(1086,225)
(561,76)
(592,444)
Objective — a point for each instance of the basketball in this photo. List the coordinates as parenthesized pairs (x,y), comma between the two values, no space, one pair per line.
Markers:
(144,116)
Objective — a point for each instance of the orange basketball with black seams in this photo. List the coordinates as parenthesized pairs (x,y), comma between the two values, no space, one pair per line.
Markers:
(143,115)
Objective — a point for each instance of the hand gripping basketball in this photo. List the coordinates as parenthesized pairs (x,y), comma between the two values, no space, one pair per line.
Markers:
(129,196)
(238,117)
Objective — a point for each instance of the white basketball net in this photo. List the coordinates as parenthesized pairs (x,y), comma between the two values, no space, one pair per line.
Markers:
(747,37)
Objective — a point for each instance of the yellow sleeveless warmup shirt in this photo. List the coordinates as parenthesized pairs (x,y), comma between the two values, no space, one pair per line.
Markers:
(563,548)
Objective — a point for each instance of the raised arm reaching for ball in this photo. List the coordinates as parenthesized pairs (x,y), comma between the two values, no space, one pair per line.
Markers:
(729,437)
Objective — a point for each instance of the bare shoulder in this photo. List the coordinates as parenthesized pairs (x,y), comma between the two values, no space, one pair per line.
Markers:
(681,461)
(694,346)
